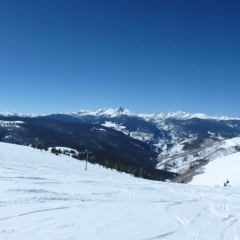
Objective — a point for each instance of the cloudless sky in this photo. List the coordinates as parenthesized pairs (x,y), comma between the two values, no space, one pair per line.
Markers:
(144,55)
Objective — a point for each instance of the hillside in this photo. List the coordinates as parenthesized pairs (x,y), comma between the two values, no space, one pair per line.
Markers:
(44,196)
(52,133)
(181,140)
(217,172)
(169,142)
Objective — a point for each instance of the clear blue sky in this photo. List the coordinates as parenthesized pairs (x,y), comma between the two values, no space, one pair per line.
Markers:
(147,56)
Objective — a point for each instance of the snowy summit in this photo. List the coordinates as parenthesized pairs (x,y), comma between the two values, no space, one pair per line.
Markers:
(108,112)
(115,112)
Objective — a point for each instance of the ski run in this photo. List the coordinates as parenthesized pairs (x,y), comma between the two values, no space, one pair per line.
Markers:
(44,196)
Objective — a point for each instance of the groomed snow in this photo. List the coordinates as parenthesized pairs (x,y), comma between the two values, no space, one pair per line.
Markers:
(44,196)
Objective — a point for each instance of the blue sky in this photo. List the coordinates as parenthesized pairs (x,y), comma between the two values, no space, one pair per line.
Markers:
(147,56)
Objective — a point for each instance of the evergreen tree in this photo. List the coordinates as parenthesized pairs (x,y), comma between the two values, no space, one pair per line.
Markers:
(53,150)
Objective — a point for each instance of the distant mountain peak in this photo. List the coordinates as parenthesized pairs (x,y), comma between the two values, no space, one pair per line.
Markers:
(14,114)
(120,109)
(181,116)
(112,112)
(108,112)
(115,112)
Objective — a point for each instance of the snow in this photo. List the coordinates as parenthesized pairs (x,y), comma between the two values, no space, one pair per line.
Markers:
(219,171)
(231,142)
(10,123)
(115,112)
(142,136)
(115,126)
(112,125)
(9,114)
(14,114)
(64,148)
(181,115)
(44,196)
(179,161)
(109,112)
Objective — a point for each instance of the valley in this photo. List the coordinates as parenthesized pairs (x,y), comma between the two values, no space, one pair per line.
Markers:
(176,143)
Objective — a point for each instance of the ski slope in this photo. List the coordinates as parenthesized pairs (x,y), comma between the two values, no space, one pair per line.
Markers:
(219,171)
(44,196)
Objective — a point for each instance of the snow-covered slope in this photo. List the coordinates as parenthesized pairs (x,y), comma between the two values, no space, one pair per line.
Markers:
(179,160)
(217,172)
(172,126)
(178,139)
(44,196)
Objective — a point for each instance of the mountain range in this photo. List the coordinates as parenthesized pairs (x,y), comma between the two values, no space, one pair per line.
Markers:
(178,142)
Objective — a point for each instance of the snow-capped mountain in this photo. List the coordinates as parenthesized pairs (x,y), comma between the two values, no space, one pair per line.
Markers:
(116,112)
(180,140)
(181,116)
(165,131)
(14,114)
(123,120)
(109,112)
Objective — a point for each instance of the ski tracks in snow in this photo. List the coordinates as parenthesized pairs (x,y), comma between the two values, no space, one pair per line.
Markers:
(203,216)
(54,198)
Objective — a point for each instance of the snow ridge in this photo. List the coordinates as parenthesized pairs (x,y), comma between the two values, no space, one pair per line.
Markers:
(116,112)
(14,114)
(109,112)
(181,116)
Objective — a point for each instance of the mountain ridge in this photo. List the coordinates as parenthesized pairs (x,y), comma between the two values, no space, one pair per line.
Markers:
(114,112)
(178,141)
